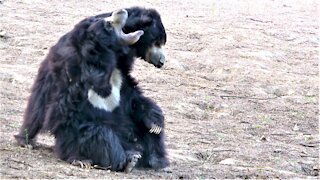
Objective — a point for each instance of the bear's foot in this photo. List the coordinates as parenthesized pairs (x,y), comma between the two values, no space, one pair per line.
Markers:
(84,164)
(132,159)
(23,141)
(158,163)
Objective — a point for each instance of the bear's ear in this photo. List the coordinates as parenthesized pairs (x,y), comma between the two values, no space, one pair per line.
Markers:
(146,21)
(138,23)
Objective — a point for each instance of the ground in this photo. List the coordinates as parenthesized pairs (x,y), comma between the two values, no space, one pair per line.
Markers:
(239,89)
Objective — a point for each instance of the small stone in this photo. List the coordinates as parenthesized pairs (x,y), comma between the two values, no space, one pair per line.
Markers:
(277,151)
(263,138)
(279,92)
(2,33)
(290,92)
(228,161)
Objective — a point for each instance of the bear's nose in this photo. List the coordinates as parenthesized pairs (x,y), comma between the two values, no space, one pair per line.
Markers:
(159,65)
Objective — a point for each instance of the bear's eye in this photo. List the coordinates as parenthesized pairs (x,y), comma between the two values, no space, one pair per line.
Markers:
(108,26)
(157,43)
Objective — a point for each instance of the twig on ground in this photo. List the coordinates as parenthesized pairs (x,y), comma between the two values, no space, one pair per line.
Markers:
(246,97)
(21,162)
(310,144)
(222,150)
(258,20)
(282,134)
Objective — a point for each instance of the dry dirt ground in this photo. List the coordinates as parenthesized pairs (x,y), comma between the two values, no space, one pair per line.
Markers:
(239,89)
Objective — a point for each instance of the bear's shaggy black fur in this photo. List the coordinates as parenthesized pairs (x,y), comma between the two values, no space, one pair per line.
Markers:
(58,102)
(141,110)
(60,70)
(82,59)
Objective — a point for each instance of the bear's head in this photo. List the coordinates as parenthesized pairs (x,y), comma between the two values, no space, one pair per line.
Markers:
(150,45)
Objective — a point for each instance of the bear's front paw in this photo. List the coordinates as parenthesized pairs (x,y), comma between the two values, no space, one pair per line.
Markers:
(155,121)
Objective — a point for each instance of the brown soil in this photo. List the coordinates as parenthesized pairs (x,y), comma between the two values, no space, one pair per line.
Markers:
(239,89)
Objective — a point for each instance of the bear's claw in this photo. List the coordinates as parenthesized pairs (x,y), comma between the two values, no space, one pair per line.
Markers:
(155,129)
(132,162)
(84,164)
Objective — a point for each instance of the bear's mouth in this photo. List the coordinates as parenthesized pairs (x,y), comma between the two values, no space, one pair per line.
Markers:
(155,56)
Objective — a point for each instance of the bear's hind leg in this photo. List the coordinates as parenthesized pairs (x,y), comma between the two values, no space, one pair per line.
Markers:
(154,154)
(132,159)
(101,145)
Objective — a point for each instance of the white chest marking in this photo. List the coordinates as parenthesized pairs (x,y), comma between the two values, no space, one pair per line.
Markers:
(113,100)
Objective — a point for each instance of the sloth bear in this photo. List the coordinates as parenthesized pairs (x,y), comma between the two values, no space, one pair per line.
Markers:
(116,121)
